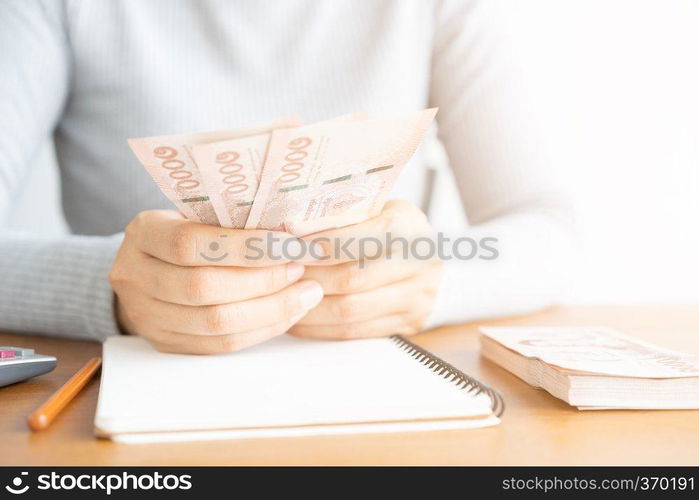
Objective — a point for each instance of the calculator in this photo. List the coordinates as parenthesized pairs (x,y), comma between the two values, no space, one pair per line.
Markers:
(18,363)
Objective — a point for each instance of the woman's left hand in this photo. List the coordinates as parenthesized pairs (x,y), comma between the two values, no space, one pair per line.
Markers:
(372,290)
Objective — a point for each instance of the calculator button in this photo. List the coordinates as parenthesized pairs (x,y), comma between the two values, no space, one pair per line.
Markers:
(19,351)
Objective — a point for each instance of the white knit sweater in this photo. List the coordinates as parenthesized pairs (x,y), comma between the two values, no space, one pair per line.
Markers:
(94,72)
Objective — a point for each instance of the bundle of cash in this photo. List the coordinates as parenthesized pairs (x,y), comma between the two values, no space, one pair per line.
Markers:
(283,176)
(595,367)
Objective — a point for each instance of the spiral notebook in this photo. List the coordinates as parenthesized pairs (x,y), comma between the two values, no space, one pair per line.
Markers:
(285,387)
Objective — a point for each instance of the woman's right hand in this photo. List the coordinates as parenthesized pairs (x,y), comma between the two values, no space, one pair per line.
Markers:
(193,288)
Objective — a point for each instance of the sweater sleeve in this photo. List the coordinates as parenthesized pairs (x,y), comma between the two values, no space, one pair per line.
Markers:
(496,134)
(55,286)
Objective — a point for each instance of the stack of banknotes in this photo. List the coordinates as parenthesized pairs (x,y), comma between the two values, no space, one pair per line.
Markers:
(595,368)
(284,176)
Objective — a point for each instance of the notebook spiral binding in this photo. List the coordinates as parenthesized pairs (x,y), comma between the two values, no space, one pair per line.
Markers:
(451,373)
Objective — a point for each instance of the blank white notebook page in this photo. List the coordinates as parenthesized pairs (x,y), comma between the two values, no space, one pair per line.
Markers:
(285,382)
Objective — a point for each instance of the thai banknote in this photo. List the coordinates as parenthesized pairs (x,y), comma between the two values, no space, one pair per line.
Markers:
(596,350)
(231,171)
(169,163)
(334,173)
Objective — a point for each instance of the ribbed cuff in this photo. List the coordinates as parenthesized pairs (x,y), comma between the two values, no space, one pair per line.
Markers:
(100,320)
(58,286)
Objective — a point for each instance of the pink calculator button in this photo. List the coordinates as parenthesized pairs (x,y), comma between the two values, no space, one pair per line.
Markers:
(7,354)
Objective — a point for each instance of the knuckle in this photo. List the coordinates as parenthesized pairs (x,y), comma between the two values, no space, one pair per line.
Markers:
(432,288)
(140,223)
(404,211)
(419,315)
(133,228)
(119,274)
(272,276)
(434,284)
(417,323)
(387,221)
(137,318)
(162,337)
(422,226)
(143,216)
(350,279)
(217,320)
(240,247)
(348,332)
(198,285)
(427,303)
(411,209)
(183,245)
(229,343)
(407,330)
(115,278)
(154,281)
(346,308)
(402,205)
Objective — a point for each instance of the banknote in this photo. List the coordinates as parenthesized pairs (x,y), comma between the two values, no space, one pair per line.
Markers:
(231,171)
(168,161)
(333,173)
(596,350)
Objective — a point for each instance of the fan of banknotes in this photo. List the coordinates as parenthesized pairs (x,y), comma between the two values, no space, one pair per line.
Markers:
(284,176)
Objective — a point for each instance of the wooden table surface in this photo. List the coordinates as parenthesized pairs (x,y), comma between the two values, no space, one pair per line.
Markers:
(536,428)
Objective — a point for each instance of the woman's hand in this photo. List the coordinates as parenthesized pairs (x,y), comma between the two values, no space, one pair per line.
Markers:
(371,290)
(193,288)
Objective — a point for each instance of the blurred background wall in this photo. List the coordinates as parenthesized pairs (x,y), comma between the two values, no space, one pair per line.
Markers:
(622,76)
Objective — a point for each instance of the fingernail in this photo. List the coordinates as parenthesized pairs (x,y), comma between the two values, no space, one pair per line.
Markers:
(294,271)
(311,294)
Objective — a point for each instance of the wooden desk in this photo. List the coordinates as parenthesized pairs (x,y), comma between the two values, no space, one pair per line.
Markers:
(536,428)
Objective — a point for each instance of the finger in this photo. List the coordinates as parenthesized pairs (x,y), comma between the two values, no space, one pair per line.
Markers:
(397,324)
(166,235)
(181,343)
(399,224)
(394,298)
(359,276)
(209,285)
(236,317)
